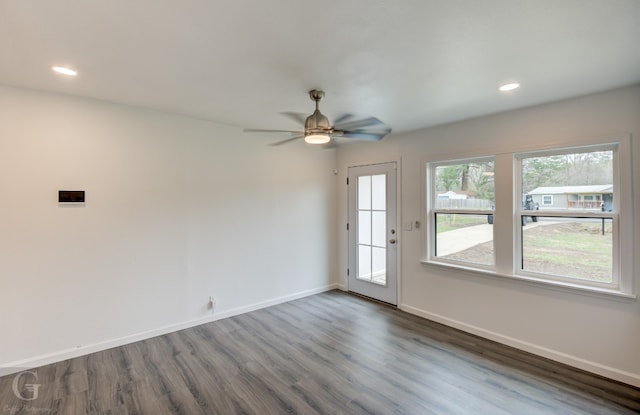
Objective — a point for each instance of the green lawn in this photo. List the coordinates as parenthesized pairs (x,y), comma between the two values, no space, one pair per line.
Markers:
(448,222)
(571,249)
(577,250)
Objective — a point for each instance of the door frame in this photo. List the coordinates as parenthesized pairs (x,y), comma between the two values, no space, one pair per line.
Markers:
(398,227)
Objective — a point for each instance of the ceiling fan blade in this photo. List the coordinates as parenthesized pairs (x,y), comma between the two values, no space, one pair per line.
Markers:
(365,136)
(259,130)
(296,116)
(277,143)
(367,122)
(367,131)
(342,118)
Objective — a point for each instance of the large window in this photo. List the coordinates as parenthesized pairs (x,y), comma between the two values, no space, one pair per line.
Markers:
(572,238)
(562,216)
(462,211)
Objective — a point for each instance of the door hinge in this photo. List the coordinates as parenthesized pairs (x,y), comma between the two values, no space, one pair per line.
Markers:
(347,181)
(347,272)
(347,226)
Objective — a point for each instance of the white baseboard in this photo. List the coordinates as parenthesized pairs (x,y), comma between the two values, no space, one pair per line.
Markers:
(275,301)
(593,367)
(19,366)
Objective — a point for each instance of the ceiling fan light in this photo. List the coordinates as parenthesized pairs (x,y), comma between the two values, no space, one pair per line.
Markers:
(64,71)
(317,138)
(509,87)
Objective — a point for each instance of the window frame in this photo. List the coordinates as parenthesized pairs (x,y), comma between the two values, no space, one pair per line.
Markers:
(505,222)
(432,211)
(550,200)
(568,214)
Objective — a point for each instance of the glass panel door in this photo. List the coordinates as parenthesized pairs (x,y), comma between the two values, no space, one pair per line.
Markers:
(372,233)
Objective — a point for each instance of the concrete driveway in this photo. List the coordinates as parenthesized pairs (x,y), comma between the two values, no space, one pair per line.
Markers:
(458,240)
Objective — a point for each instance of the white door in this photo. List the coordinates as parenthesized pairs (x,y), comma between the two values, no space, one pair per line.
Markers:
(373,236)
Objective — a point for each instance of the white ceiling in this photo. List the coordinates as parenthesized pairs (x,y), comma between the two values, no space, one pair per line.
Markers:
(413,63)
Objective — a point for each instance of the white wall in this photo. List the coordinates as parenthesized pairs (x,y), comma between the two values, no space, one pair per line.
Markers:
(177,210)
(596,333)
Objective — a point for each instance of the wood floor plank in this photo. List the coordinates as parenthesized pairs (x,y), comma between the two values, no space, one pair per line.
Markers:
(332,353)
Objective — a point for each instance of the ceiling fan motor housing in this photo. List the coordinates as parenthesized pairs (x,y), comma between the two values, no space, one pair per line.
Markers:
(317,123)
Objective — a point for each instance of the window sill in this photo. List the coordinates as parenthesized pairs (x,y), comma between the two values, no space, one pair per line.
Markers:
(557,285)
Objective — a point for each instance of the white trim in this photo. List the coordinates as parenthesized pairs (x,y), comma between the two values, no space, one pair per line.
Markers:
(463,160)
(399,230)
(574,361)
(507,228)
(431,211)
(589,146)
(566,286)
(620,282)
(517,147)
(478,212)
(49,358)
(390,292)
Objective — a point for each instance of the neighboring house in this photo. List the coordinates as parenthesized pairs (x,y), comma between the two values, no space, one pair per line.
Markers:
(593,197)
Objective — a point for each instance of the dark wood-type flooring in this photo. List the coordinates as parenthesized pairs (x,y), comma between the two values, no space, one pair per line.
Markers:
(331,353)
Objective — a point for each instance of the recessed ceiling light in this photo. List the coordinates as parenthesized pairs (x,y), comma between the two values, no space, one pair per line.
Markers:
(64,71)
(509,87)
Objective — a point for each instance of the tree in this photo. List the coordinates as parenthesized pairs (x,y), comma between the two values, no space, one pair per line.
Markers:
(464,177)
(447,178)
(483,186)
(468,177)
(542,171)
(574,169)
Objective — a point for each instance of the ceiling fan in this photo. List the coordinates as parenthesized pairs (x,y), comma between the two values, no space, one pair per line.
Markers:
(318,129)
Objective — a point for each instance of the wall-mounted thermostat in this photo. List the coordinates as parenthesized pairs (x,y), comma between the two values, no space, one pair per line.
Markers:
(71,197)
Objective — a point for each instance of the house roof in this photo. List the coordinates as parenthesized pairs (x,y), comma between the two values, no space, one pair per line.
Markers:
(556,190)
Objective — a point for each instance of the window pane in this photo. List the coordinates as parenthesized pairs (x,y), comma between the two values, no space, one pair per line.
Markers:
(579,248)
(465,186)
(364,192)
(379,229)
(364,262)
(364,227)
(379,265)
(574,181)
(465,237)
(378,192)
